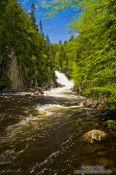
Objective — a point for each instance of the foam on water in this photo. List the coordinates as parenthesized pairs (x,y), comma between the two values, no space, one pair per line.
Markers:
(49,109)
(61,92)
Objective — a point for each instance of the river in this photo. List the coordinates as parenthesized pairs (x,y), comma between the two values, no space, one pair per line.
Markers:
(43,135)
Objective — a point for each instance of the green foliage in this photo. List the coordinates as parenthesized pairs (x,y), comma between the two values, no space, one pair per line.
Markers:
(99,92)
(64,56)
(4,82)
(96,55)
(32,16)
(75,75)
(18,32)
(111,124)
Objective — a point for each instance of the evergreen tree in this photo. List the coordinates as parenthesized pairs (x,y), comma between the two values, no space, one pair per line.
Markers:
(32,16)
(60,42)
(41,28)
(47,39)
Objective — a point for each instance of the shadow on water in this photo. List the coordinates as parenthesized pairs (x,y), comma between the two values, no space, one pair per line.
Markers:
(43,135)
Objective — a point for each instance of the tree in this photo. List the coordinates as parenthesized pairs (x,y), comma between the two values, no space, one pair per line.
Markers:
(32,16)
(41,28)
(47,39)
(60,42)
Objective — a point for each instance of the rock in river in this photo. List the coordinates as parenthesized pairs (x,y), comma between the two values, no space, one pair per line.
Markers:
(94,135)
(37,92)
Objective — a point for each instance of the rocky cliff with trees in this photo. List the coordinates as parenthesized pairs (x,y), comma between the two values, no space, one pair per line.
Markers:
(26,57)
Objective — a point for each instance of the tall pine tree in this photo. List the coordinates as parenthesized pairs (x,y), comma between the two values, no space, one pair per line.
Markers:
(32,16)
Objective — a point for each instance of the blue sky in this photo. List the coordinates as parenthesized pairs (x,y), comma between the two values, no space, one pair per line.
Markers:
(56,27)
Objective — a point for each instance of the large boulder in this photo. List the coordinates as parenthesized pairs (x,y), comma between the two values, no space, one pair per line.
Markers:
(100,105)
(38,92)
(94,135)
(91,103)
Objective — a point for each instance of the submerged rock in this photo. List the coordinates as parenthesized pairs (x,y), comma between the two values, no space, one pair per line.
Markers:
(111,124)
(34,112)
(94,135)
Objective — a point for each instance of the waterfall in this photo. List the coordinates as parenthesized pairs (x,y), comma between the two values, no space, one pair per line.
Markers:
(63,80)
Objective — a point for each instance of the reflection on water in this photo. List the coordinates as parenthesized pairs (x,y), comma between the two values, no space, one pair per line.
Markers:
(43,135)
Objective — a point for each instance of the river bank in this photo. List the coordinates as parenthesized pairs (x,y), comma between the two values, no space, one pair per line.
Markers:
(102,107)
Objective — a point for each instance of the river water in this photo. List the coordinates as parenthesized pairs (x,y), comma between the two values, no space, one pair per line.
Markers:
(43,135)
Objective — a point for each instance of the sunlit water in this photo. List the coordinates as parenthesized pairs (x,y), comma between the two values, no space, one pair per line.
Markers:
(43,135)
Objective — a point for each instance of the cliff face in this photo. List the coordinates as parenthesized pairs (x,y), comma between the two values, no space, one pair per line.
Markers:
(14,72)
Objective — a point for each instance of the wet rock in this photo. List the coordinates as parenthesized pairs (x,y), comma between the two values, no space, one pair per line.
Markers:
(91,103)
(111,124)
(94,135)
(88,102)
(94,104)
(101,107)
(38,92)
(34,112)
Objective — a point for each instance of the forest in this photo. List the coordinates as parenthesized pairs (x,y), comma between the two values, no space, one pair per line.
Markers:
(89,59)
(57,93)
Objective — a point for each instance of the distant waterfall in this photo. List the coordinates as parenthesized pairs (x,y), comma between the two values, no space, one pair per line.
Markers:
(63,80)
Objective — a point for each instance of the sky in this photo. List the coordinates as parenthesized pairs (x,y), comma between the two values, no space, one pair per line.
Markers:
(57,26)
